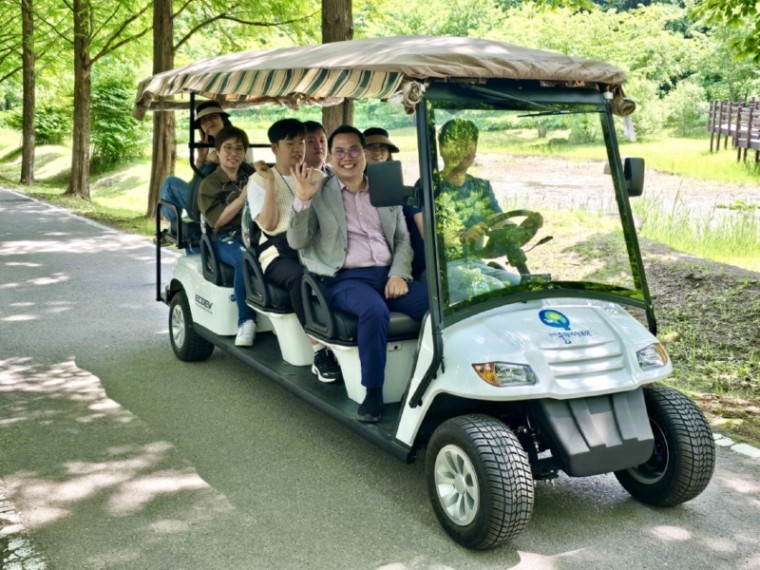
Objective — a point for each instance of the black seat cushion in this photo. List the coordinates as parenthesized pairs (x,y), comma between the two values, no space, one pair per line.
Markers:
(260,292)
(333,325)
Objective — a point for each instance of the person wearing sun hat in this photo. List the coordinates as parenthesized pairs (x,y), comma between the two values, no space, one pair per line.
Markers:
(210,119)
(379,147)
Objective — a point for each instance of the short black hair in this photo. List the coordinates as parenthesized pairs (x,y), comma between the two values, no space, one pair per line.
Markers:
(313,126)
(286,129)
(228,133)
(346,129)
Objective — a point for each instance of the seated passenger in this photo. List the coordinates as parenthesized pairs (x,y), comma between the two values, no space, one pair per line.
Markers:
(464,205)
(210,118)
(316,147)
(221,198)
(362,252)
(270,197)
(379,147)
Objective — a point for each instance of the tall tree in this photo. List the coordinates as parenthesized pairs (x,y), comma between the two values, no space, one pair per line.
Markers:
(337,25)
(230,22)
(740,16)
(164,154)
(99,29)
(29,105)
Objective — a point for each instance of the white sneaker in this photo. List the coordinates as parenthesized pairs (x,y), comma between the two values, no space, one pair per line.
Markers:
(245,333)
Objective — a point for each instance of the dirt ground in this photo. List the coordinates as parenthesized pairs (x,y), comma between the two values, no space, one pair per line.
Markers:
(707,313)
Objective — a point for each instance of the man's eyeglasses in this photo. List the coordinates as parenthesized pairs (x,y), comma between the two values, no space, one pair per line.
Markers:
(233,148)
(341,153)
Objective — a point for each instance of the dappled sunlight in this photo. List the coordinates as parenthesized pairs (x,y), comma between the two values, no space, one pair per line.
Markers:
(670,533)
(135,494)
(104,242)
(101,457)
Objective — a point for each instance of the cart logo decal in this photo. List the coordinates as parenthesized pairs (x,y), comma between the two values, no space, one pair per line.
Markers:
(552,318)
(205,304)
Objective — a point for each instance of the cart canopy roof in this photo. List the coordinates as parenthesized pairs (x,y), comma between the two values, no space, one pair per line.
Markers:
(324,74)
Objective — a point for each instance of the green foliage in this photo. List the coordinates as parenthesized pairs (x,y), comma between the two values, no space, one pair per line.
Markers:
(686,112)
(116,136)
(742,17)
(52,123)
(477,18)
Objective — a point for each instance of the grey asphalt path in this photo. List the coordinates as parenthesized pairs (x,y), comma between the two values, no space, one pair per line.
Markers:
(118,456)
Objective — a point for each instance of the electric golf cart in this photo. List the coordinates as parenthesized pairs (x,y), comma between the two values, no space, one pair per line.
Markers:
(538,354)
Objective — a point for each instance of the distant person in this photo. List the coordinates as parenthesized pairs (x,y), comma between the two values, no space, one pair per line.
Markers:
(210,118)
(361,252)
(379,147)
(316,147)
(221,198)
(270,197)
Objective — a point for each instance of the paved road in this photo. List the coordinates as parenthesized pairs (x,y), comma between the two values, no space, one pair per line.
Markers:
(118,456)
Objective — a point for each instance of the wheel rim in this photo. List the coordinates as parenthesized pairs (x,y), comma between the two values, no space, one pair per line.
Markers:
(657,465)
(456,483)
(178,326)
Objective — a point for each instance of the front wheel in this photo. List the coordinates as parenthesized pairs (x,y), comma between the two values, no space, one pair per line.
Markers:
(479,480)
(683,459)
(186,343)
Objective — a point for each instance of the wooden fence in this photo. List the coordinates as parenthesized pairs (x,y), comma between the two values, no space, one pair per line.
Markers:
(738,121)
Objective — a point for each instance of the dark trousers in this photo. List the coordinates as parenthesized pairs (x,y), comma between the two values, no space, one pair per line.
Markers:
(361,292)
(287,272)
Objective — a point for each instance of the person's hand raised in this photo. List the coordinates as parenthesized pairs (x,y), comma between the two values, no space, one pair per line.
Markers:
(263,169)
(306,187)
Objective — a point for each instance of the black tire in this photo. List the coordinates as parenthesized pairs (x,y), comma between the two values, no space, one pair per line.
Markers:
(479,480)
(683,459)
(186,343)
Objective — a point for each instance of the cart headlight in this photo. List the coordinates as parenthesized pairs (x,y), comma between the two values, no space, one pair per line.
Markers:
(652,356)
(505,373)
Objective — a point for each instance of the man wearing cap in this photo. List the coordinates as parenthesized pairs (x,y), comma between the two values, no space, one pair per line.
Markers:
(379,147)
(210,118)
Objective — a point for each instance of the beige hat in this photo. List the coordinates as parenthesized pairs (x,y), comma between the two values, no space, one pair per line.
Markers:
(205,109)
(376,135)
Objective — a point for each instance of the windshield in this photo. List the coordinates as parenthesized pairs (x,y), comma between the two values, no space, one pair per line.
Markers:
(525,206)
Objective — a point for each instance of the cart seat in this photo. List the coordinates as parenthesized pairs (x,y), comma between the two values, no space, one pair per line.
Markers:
(214,270)
(338,327)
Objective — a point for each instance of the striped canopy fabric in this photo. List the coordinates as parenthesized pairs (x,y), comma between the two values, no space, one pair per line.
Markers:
(363,69)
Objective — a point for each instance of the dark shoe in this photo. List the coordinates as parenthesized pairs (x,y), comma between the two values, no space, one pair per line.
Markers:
(371,409)
(325,367)
(163,240)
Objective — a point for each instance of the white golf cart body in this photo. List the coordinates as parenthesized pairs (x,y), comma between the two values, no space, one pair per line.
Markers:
(541,376)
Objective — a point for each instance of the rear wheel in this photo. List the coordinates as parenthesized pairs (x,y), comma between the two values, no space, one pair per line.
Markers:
(479,481)
(683,459)
(186,343)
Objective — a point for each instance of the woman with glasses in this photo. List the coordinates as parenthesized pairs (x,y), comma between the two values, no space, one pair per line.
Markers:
(222,195)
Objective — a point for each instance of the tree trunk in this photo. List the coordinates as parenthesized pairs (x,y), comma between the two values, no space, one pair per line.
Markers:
(164,139)
(337,25)
(79,184)
(27,147)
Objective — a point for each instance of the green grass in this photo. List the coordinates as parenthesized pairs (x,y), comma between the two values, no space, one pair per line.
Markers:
(732,239)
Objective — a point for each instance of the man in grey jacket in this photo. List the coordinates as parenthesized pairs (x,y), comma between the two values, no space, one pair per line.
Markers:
(363,252)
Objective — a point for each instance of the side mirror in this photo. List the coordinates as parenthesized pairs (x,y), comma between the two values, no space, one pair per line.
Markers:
(386,184)
(633,171)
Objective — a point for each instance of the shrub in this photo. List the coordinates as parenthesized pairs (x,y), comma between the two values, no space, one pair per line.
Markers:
(51,123)
(116,136)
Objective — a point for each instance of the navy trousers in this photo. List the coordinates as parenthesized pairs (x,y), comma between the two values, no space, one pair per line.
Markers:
(361,292)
